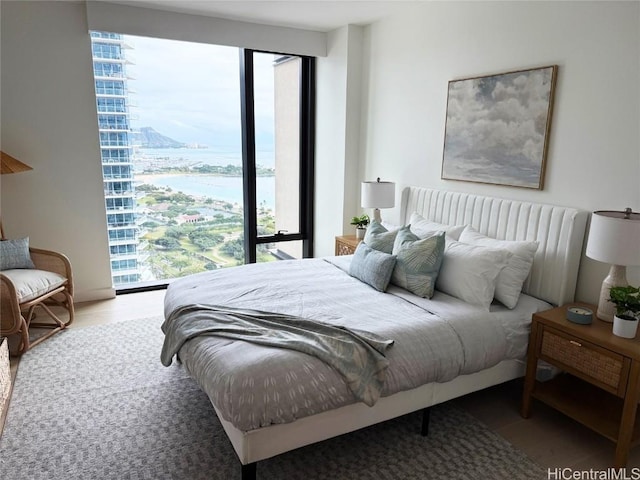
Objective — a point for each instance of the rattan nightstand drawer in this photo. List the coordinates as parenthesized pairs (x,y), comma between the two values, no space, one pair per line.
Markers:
(583,359)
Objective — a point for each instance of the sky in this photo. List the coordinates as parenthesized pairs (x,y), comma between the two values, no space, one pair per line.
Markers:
(191,91)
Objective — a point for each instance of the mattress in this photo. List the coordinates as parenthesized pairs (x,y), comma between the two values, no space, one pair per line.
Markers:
(254,386)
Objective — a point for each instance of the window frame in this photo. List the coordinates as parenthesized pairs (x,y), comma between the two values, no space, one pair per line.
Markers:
(306,157)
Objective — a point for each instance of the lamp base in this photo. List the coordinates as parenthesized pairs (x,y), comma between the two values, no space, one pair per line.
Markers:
(617,278)
(376,215)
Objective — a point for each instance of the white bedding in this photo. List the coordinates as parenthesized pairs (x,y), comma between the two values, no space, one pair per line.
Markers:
(253,386)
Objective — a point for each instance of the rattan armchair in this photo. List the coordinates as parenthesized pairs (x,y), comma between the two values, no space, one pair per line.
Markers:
(50,284)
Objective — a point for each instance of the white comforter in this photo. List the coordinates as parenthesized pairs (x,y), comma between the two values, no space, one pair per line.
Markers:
(253,386)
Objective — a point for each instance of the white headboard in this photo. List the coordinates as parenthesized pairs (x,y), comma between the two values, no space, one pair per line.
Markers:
(559,230)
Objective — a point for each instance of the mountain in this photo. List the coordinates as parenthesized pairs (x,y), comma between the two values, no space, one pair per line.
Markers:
(149,138)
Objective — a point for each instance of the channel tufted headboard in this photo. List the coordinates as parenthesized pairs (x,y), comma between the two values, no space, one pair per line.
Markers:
(559,230)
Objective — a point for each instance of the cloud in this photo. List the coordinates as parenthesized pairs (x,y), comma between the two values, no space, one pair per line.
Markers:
(497,122)
(191,91)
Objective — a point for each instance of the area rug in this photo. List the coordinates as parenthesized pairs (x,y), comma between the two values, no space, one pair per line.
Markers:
(95,403)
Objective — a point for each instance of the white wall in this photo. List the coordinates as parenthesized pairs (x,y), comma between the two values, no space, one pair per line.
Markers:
(594,154)
(337,136)
(49,122)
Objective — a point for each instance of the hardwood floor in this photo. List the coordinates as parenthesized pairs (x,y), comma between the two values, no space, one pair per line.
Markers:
(548,437)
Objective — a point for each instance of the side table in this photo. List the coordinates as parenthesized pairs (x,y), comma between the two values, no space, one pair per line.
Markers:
(346,244)
(600,383)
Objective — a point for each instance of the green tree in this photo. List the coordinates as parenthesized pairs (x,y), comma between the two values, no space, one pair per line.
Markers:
(180,264)
(205,239)
(147,187)
(234,248)
(167,242)
(174,232)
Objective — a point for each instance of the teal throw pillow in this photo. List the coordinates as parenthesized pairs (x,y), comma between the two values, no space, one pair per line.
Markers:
(418,261)
(15,254)
(372,266)
(379,238)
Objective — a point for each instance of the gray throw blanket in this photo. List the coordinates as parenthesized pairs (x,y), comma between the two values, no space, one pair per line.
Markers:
(357,355)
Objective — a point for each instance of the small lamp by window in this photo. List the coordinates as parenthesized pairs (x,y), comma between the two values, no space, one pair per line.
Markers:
(378,195)
(614,238)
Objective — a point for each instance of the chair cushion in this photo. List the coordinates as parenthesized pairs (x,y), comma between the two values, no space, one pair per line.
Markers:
(32,283)
(15,254)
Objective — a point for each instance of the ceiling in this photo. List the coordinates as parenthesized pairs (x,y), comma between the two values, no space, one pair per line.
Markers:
(318,15)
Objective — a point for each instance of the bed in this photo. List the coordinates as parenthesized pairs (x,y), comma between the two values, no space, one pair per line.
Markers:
(273,400)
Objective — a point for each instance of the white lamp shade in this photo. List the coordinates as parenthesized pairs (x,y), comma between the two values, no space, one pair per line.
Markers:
(614,239)
(378,194)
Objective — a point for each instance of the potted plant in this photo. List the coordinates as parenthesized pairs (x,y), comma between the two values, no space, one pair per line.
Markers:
(627,302)
(361,223)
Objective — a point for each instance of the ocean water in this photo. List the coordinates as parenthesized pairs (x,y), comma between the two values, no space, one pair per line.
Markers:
(228,189)
(221,155)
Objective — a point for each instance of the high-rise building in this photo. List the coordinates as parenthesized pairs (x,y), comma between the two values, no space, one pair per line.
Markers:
(109,70)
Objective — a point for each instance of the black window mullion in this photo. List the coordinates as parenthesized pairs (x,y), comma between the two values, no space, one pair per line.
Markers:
(248,155)
(307,157)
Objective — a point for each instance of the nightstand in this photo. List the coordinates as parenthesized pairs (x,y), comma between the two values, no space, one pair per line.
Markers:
(600,383)
(346,244)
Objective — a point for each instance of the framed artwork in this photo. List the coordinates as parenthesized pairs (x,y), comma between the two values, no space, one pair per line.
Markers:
(497,128)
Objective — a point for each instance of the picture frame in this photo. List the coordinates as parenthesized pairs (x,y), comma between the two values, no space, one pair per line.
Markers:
(497,128)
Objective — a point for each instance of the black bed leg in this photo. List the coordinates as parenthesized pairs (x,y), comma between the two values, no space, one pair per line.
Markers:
(426,413)
(249,471)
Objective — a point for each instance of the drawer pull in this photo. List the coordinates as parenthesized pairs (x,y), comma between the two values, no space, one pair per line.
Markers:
(573,342)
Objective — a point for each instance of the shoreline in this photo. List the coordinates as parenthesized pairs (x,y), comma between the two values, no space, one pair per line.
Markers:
(153,178)
(147,176)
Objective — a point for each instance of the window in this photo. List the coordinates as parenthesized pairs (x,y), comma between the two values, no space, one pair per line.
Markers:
(110,87)
(112,155)
(119,235)
(120,203)
(107,51)
(279,109)
(207,155)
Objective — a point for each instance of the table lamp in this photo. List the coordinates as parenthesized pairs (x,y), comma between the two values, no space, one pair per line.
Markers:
(378,195)
(614,238)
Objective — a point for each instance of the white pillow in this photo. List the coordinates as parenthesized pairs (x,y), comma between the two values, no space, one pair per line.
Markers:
(469,272)
(512,277)
(424,228)
(392,227)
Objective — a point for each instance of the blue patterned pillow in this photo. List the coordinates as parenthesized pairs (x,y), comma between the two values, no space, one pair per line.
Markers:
(379,238)
(372,266)
(418,262)
(15,254)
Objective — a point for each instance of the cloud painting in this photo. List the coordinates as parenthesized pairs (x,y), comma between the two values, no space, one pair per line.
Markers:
(497,128)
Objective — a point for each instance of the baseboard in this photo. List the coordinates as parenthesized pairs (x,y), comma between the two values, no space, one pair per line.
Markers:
(80,296)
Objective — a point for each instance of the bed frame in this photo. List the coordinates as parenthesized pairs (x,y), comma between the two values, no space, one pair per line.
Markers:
(560,232)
